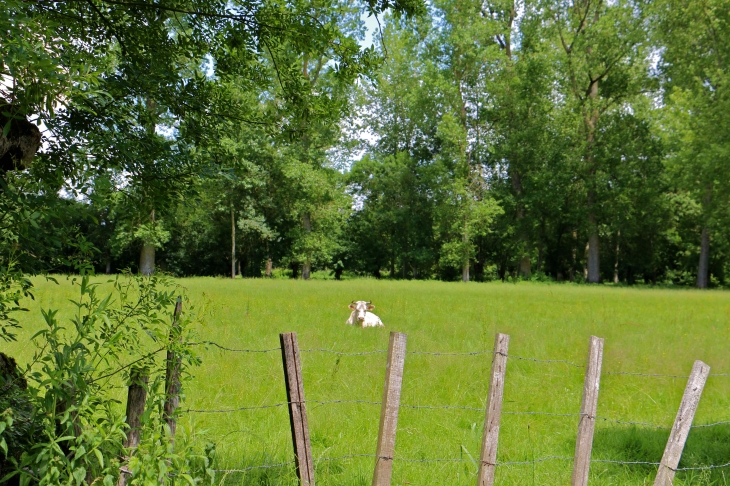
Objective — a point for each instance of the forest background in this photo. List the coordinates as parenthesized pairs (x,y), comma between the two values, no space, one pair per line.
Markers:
(474,140)
(583,140)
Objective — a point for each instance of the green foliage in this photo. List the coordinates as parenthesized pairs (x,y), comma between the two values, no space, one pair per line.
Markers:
(79,425)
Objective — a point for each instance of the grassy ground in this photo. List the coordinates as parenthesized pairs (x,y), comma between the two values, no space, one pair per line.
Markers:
(648,331)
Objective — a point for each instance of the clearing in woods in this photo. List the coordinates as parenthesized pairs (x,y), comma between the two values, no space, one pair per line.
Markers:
(646,330)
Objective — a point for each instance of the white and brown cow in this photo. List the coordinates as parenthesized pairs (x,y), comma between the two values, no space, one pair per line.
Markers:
(361,315)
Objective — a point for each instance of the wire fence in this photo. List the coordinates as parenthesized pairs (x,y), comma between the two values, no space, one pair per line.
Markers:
(481,409)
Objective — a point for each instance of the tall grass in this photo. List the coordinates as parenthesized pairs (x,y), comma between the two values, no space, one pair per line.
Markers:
(648,331)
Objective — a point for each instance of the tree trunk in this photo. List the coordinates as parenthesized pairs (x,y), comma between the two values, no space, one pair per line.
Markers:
(233,243)
(703,272)
(615,265)
(465,263)
(594,268)
(574,256)
(269,267)
(307,267)
(108,270)
(147,259)
(525,266)
(147,255)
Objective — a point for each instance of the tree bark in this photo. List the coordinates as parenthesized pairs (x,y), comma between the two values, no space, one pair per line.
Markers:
(269,267)
(615,265)
(108,270)
(147,259)
(233,243)
(147,255)
(594,268)
(307,267)
(703,272)
(574,256)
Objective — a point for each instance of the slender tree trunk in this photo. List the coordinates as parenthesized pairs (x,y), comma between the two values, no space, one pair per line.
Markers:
(465,264)
(269,267)
(574,256)
(307,267)
(147,255)
(594,268)
(703,272)
(147,259)
(108,265)
(615,265)
(233,243)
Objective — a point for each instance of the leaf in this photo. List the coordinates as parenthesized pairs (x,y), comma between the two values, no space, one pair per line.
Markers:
(99,457)
(79,475)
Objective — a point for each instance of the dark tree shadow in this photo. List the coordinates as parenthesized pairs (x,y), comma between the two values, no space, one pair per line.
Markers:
(705,446)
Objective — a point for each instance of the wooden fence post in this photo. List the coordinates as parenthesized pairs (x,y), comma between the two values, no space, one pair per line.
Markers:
(136,398)
(493,414)
(297,408)
(389,409)
(682,424)
(588,408)
(172,375)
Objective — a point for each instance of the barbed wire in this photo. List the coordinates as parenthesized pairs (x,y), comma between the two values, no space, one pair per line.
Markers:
(536,360)
(343,353)
(702,468)
(534,461)
(713,424)
(436,353)
(342,458)
(238,409)
(610,461)
(251,468)
(657,375)
(551,414)
(627,422)
(233,350)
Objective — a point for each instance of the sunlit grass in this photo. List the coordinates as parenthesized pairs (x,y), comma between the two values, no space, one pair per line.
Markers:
(649,331)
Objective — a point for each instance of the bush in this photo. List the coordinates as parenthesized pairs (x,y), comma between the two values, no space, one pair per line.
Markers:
(78,424)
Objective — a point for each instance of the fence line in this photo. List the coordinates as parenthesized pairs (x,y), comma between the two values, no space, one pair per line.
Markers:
(388,457)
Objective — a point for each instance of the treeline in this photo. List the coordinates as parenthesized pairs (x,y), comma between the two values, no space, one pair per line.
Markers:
(580,141)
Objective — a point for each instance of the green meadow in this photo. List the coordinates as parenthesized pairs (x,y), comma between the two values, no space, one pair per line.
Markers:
(650,331)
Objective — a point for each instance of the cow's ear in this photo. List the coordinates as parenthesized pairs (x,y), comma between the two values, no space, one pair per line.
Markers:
(352,306)
(371,307)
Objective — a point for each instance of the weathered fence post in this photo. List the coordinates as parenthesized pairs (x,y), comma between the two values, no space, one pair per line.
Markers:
(136,398)
(682,424)
(493,414)
(172,375)
(297,408)
(389,409)
(588,408)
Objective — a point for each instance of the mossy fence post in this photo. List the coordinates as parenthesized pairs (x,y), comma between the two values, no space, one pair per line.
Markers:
(136,398)
(297,408)
(172,374)
(389,409)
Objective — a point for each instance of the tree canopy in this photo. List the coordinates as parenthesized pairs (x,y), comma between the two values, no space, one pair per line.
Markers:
(581,140)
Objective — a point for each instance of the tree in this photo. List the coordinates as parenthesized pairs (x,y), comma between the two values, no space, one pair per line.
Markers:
(602,66)
(697,96)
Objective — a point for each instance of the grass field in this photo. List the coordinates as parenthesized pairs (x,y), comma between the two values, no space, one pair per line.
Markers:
(648,331)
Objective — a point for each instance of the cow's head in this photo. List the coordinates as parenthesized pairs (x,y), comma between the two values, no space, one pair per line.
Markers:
(361,307)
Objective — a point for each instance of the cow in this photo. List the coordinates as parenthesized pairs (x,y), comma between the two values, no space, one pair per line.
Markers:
(361,316)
